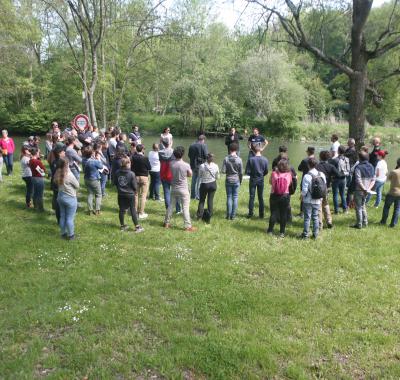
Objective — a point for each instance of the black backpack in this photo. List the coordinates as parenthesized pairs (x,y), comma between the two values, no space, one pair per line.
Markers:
(318,186)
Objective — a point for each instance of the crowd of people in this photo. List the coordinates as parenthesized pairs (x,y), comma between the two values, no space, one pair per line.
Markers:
(112,156)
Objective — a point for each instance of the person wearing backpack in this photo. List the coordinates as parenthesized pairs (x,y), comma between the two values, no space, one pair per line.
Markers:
(279,201)
(313,189)
(342,165)
(303,167)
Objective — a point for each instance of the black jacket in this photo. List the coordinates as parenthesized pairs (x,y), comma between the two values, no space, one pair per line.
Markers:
(140,165)
(125,180)
(197,154)
(329,170)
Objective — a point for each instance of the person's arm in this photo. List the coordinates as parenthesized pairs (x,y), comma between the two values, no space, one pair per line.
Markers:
(12,145)
(74,181)
(357,174)
(265,143)
(266,169)
(305,185)
(133,182)
(248,168)
(216,171)
(189,171)
(223,169)
(240,171)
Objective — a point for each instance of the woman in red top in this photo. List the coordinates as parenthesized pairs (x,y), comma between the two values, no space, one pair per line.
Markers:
(38,174)
(7,147)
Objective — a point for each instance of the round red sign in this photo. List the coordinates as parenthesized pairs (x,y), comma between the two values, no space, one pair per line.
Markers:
(81,122)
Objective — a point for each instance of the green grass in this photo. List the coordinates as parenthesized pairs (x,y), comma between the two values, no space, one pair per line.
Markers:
(227,302)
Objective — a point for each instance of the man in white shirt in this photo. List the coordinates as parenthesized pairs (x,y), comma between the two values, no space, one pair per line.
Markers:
(155,180)
(311,205)
(335,145)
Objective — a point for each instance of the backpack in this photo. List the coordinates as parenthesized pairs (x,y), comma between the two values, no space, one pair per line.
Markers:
(318,186)
(343,166)
(280,185)
(165,171)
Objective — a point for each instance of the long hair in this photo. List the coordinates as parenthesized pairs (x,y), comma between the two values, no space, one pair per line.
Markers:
(61,172)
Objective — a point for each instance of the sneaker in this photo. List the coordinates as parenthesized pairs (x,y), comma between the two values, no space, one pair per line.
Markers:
(329,225)
(282,236)
(166,225)
(191,229)
(249,216)
(357,226)
(269,232)
(139,229)
(64,236)
(72,237)
(303,236)
(178,212)
(124,227)
(97,212)
(143,216)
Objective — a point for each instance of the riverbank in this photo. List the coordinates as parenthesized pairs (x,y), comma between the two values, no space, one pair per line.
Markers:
(226,302)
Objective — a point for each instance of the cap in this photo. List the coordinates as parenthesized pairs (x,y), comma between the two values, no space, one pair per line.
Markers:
(59,147)
(381,153)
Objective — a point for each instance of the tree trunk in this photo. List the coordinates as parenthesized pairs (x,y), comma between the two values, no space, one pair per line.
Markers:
(358,83)
(103,89)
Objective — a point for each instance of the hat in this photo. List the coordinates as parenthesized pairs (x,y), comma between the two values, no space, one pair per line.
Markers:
(381,153)
(59,147)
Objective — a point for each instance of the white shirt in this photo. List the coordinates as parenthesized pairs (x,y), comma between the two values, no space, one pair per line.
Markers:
(335,148)
(154,161)
(208,172)
(381,171)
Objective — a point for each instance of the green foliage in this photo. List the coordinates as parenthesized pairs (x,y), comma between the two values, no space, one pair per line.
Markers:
(30,122)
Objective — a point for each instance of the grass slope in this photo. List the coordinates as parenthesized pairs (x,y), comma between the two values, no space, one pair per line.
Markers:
(227,302)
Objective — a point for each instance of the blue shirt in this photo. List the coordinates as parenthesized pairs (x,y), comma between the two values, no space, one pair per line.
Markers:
(257,169)
(91,168)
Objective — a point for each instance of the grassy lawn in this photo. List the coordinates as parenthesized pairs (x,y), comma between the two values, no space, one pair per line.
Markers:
(227,302)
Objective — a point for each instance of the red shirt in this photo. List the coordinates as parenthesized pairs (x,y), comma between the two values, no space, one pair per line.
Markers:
(7,146)
(33,164)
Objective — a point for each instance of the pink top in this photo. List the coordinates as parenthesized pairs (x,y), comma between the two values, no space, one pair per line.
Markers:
(7,145)
(276,174)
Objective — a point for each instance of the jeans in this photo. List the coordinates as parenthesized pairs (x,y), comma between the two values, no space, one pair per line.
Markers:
(195,186)
(55,206)
(68,206)
(378,187)
(181,197)
(94,191)
(311,212)
(38,189)
(360,199)
(167,195)
(396,210)
(103,182)
(29,190)
(155,182)
(9,161)
(207,190)
(260,193)
(141,193)
(339,187)
(1,168)
(232,197)
(279,205)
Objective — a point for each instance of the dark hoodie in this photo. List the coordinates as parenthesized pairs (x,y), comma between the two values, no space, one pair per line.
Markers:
(233,167)
(125,180)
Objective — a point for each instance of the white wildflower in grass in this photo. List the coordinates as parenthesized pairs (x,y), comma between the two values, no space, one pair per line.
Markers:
(75,311)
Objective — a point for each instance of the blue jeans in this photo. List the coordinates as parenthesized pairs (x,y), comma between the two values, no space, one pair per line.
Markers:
(29,190)
(155,182)
(103,182)
(260,193)
(339,187)
(38,189)
(378,187)
(396,211)
(195,186)
(360,199)
(232,196)
(68,206)
(9,161)
(311,212)
(167,195)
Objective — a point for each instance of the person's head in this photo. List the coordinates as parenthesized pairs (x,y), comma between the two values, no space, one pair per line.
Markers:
(256,132)
(257,150)
(34,152)
(283,156)
(376,141)
(363,156)
(70,140)
(54,138)
(135,128)
(179,151)
(324,155)
(283,166)
(125,162)
(54,125)
(114,133)
(310,150)
(61,172)
(49,137)
(312,163)
(166,130)
(97,146)
(202,138)
(233,148)
(120,153)
(58,148)
(210,158)
(381,154)
(283,149)
(364,149)
(233,130)
(30,140)
(351,142)
(155,147)
(334,137)
(140,148)
(133,146)
(165,142)
(25,151)
(36,140)
(122,137)
(341,149)
(4,133)
(87,152)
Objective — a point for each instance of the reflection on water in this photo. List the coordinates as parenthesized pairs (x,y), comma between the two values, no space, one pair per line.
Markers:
(217,146)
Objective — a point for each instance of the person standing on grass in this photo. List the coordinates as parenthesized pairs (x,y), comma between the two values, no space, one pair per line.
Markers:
(67,185)
(257,169)
(125,180)
(233,137)
(364,174)
(26,174)
(92,166)
(208,175)
(335,145)
(38,174)
(99,148)
(304,168)
(74,159)
(7,147)
(352,155)
(381,172)
(256,140)
(58,153)
(197,154)
(312,191)
(376,146)
(179,189)
(342,164)
(155,180)
(393,197)
(330,172)
(140,165)
(232,166)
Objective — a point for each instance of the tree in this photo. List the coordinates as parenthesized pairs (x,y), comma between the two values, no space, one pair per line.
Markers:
(291,17)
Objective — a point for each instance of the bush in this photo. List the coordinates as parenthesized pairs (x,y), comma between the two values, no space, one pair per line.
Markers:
(30,122)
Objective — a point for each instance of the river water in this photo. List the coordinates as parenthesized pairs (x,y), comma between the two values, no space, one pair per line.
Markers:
(217,146)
